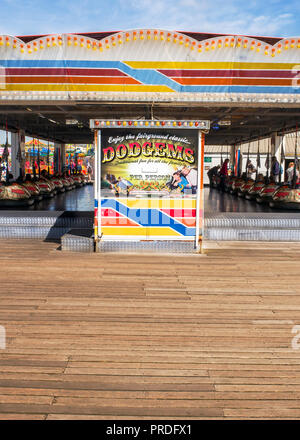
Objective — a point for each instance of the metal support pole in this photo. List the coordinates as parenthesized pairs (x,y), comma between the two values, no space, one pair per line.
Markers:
(97,190)
(16,165)
(199,199)
(38,159)
(33,159)
(99,185)
(57,158)
(48,157)
(232,158)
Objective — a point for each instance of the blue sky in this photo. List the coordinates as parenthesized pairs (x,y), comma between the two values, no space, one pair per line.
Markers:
(269,18)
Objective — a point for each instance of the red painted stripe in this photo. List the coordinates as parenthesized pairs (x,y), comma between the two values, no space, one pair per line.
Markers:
(269,190)
(64,72)
(108,212)
(69,80)
(228,73)
(236,81)
(282,194)
(256,187)
(180,212)
(17,191)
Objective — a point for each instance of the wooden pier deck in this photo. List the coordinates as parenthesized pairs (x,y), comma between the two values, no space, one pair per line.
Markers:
(116,336)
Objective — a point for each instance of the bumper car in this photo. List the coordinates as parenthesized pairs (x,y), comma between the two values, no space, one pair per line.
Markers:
(45,188)
(44,177)
(14,195)
(66,183)
(33,190)
(77,180)
(52,185)
(59,186)
(236,185)
(286,198)
(228,183)
(266,193)
(71,181)
(84,179)
(215,181)
(245,188)
(255,190)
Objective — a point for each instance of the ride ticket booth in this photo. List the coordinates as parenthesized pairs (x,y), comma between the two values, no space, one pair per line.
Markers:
(149,184)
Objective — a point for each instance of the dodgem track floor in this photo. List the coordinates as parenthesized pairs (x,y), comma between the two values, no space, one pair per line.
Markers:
(82,199)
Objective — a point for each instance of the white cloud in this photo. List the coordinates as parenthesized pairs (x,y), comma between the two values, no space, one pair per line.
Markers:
(205,16)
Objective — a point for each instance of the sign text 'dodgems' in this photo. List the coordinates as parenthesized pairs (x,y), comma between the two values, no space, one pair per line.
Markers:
(149,160)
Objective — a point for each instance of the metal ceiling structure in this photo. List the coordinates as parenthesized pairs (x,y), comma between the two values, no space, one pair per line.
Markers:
(69,122)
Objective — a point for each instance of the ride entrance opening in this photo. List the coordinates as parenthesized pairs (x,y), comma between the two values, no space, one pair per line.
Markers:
(149,184)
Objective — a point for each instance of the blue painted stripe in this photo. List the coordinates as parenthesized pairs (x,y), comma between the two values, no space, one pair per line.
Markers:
(149,76)
(149,217)
(57,63)
(241,89)
(146,76)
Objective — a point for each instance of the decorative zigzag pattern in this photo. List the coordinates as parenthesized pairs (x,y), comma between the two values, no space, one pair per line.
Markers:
(145,217)
(120,76)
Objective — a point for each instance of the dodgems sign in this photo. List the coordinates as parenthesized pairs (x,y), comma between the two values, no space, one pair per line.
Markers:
(148,181)
(148,160)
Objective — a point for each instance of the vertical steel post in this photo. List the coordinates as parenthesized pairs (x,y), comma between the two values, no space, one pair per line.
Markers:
(99,185)
(200,199)
(96,191)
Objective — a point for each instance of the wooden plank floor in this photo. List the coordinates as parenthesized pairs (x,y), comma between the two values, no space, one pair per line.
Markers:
(139,336)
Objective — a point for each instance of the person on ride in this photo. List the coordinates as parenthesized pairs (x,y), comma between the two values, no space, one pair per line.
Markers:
(224,174)
(78,167)
(105,184)
(89,170)
(178,181)
(112,179)
(250,169)
(212,172)
(275,169)
(190,174)
(290,173)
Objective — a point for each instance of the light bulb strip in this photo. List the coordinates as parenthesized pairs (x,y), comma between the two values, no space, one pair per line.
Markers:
(120,38)
(163,124)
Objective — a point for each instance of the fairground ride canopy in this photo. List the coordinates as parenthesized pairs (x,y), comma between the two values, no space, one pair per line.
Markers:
(150,66)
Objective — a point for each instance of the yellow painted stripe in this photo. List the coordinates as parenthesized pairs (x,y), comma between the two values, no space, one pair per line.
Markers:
(85,88)
(145,232)
(207,65)
(160,203)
